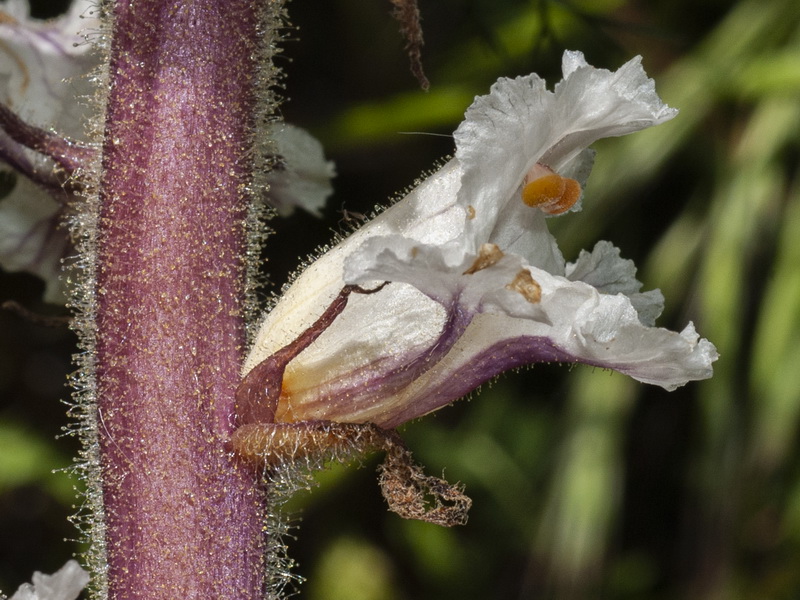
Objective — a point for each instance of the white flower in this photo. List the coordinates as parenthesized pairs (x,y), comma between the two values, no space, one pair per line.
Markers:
(31,239)
(64,584)
(302,176)
(44,65)
(42,79)
(479,285)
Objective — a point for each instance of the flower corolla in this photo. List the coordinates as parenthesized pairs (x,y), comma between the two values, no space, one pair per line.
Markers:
(478,284)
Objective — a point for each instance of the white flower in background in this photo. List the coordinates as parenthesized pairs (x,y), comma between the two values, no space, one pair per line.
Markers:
(43,65)
(479,285)
(31,238)
(64,584)
(302,177)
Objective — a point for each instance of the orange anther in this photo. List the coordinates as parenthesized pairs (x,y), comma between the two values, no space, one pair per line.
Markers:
(552,193)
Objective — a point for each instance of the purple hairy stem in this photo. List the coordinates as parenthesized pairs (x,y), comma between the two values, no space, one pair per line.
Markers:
(69,155)
(183,519)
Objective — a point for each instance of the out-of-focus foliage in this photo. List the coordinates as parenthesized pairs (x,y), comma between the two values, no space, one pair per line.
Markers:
(586,484)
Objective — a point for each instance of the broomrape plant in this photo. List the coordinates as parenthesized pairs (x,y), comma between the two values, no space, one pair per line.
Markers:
(455,283)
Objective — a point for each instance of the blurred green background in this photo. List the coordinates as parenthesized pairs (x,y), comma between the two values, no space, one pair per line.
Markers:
(585,484)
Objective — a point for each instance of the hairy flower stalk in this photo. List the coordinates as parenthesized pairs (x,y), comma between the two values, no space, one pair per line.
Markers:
(183,519)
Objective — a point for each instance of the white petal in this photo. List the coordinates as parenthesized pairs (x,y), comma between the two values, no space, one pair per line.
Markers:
(597,103)
(605,330)
(523,231)
(428,214)
(64,584)
(30,239)
(605,270)
(44,67)
(303,179)
(502,136)
(521,123)
(577,324)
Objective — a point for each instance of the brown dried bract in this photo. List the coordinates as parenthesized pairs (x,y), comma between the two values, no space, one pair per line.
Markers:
(413,495)
(407,490)
(407,13)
